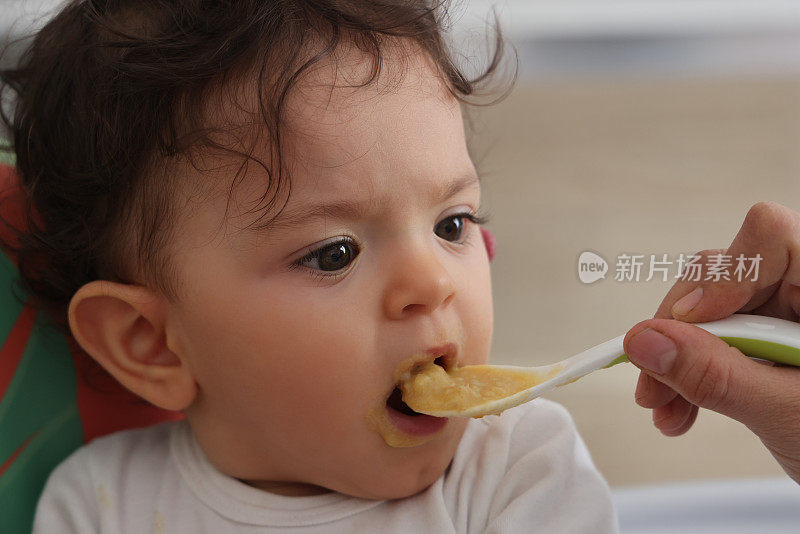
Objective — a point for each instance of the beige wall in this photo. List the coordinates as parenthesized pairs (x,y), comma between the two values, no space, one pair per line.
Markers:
(632,166)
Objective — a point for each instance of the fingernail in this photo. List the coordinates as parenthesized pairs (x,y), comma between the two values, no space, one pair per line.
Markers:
(652,350)
(687,303)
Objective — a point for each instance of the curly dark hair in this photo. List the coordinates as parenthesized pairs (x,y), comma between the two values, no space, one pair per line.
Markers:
(111,91)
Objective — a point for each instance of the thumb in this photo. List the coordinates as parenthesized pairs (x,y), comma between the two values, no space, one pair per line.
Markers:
(709,373)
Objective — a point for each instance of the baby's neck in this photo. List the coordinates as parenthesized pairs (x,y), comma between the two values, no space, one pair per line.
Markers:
(290,489)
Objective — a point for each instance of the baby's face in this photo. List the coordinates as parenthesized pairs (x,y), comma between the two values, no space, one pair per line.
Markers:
(295,335)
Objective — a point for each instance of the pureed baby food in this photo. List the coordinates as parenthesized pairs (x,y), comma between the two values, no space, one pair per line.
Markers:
(431,389)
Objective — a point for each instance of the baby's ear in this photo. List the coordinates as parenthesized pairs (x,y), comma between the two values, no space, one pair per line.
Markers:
(489,242)
(123,327)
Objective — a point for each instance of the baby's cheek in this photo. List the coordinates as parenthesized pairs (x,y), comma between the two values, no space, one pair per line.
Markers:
(479,326)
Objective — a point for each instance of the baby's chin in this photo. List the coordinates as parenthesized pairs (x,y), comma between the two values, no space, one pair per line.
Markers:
(397,487)
(408,471)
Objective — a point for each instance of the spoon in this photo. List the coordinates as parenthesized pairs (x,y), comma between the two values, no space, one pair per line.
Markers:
(760,337)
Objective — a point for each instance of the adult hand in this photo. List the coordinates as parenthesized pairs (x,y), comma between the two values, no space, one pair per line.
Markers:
(684,368)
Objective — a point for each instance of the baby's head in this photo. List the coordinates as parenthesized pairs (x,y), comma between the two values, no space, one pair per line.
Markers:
(261,213)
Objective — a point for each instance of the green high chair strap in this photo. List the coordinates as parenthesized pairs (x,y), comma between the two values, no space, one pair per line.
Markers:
(39,420)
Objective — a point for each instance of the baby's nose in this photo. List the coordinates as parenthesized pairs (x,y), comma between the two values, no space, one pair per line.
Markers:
(420,284)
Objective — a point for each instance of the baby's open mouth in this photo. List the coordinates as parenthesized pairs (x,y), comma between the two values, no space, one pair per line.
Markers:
(397,422)
(395,400)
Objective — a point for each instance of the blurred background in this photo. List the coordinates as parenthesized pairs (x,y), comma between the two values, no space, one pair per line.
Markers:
(635,127)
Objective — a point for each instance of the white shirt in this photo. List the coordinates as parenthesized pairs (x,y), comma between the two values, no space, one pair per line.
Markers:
(526,470)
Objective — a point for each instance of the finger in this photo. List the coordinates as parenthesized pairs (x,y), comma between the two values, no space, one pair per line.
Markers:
(690,287)
(770,231)
(673,415)
(683,286)
(705,371)
(784,303)
(762,296)
(686,425)
(650,393)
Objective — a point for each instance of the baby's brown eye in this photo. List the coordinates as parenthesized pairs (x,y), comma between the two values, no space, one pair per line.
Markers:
(451,228)
(333,257)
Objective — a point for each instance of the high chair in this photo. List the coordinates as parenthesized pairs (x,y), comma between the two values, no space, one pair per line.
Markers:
(53,397)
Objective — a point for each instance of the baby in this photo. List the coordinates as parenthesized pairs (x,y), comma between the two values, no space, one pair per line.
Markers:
(267,213)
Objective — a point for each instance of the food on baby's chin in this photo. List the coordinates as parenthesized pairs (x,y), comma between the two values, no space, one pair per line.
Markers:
(432,389)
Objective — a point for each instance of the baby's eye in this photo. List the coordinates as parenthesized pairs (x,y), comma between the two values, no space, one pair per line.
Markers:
(452,227)
(332,257)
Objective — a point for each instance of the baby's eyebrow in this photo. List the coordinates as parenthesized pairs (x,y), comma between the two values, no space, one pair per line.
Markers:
(351,209)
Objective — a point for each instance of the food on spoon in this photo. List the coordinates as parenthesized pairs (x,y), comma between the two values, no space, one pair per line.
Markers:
(431,389)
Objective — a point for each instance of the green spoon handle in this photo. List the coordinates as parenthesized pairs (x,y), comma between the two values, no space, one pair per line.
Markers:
(757,336)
